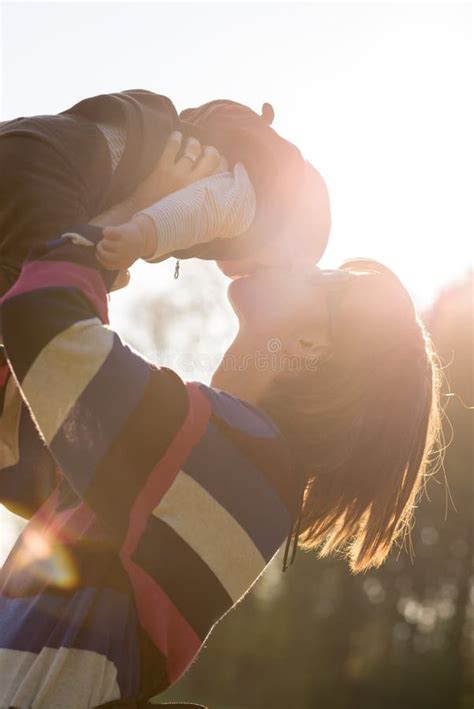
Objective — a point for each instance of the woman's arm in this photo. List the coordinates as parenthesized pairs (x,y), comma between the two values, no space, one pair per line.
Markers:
(118,214)
(167,176)
(106,414)
(27,470)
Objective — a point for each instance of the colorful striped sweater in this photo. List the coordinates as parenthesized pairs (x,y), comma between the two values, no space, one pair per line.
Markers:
(171,499)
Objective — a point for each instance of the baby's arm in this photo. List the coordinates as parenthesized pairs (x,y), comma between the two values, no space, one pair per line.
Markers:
(220,205)
(125,241)
(122,245)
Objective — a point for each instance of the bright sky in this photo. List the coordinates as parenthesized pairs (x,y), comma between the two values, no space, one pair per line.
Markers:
(378,96)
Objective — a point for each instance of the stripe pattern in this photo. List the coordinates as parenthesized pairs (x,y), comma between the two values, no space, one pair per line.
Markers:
(170,500)
(218,207)
(27,470)
(51,678)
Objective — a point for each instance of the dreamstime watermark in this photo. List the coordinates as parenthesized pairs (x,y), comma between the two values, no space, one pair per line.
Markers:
(272,359)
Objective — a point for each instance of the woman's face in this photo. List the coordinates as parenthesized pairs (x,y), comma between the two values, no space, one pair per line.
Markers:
(273,253)
(273,302)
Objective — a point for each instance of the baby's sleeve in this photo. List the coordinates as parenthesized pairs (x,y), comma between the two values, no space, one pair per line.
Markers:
(221,206)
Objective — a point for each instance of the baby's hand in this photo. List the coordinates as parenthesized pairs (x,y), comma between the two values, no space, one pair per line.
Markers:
(122,245)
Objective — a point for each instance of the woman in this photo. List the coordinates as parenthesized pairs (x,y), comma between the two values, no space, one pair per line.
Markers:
(62,169)
(173,497)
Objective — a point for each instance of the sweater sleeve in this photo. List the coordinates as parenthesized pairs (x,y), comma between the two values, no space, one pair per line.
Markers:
(27,470)
(220,206)
(106,414)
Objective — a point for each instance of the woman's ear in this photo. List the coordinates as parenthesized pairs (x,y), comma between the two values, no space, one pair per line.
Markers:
(310,350)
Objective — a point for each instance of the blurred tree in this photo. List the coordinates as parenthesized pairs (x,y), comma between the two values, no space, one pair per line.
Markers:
(187,327)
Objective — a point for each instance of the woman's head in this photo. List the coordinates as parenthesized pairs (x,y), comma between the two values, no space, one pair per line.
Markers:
(356,394)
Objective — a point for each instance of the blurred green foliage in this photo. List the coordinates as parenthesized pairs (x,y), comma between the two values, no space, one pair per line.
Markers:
(400,637)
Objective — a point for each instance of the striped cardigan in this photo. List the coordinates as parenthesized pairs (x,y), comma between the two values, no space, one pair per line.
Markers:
(171,499)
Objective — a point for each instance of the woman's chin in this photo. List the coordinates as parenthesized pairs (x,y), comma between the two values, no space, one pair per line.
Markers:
(235,287)
(242,297)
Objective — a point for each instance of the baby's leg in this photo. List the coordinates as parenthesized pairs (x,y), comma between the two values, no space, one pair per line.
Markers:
(54,171)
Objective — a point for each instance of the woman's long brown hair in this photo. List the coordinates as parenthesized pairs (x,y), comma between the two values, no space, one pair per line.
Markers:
(363,427)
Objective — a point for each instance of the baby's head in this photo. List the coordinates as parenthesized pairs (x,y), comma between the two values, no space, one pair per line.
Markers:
(301,236)
(293,213)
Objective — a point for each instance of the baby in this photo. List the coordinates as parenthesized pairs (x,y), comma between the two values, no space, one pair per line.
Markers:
(65,169)
(120,156)
(61,170)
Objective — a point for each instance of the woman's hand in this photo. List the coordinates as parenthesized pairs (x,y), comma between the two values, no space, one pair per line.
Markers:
(172,173)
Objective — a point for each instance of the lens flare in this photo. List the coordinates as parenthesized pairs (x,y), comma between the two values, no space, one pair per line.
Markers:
(46,561)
